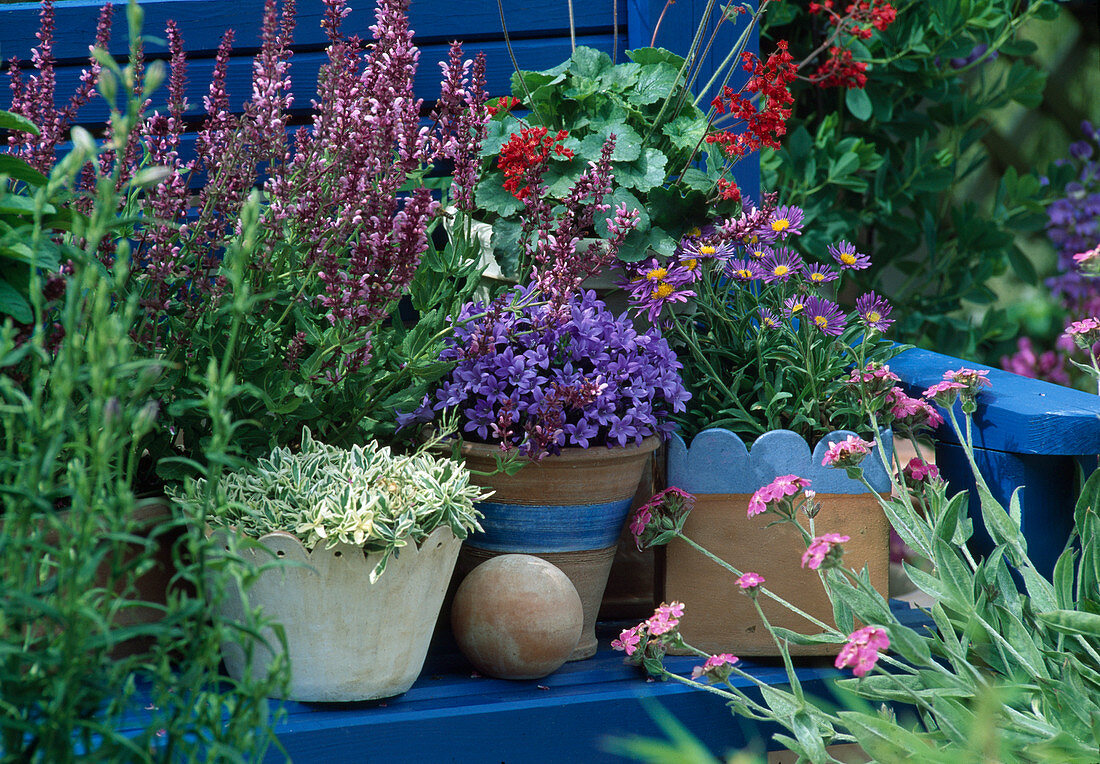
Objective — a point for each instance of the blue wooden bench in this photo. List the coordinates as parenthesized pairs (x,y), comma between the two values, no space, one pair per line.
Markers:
(1027,434)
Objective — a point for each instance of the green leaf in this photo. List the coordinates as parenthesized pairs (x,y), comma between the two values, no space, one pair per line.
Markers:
(588,62)
(627,143)
(10,121)
(859,104)
(1063,578)
(18,169)
(1073,622)
(21,205)
(809,735)
(686,132)
(493,197)
(14,304)
(649,56)
(655,83)
(644,174)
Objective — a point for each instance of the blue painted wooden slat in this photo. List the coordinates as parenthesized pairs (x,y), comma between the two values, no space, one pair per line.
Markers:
(533,54)
(1028,434)
(203,21)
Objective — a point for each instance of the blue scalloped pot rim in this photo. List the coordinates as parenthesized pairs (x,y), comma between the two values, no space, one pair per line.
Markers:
(550,528)
(718,461)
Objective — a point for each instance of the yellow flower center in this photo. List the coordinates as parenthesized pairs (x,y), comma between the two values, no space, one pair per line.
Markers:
(796,307)
(753,239)
(781,225)
(848,259)
(781,270)
(817,276)
(874,317)
(691,264)
(656,274)
(758,254)
(706,249)
(744,273)
(821,321)
(663,290)
(694,231)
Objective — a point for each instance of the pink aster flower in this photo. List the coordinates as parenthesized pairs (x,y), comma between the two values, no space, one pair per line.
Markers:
(716,667)
(861,651)
(823,547)
(847,453)
(846,256)
(750,582)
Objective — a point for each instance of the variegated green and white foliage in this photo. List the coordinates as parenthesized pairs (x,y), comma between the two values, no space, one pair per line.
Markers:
(364,496)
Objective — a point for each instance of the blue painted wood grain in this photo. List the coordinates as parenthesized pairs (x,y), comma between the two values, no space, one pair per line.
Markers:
(718,461)
(530,528)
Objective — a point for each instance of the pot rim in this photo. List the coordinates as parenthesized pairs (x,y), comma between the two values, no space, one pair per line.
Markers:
(572,454)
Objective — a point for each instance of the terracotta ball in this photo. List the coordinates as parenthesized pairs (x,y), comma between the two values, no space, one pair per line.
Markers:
(516,617)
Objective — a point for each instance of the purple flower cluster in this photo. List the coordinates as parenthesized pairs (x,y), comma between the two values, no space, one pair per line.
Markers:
(754,247)
(1073,226)
(526,379)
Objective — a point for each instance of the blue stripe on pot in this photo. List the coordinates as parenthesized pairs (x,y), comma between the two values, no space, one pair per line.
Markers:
(523,528)
(718,461)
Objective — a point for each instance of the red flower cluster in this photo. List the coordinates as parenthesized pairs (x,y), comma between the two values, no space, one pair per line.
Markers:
(762,127)
(839,70)
(528,148)
(860,19)
(504,103)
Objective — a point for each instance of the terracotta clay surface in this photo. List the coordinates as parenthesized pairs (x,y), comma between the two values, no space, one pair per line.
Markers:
(516,616)
(719,618)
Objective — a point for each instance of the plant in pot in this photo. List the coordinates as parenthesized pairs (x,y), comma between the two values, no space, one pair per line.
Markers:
(375,537)
(772,363)
(547,377)
(676,151)
(340,235)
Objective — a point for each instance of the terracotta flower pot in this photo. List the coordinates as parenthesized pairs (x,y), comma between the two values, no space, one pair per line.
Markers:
(346,638)
(567,509)
(722,473)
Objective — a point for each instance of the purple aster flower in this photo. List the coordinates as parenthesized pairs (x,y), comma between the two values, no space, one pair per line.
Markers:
(794,305)
(780,266)
(787,221)
(760,251)
(703,249)
(825,315)
(743,270)
(874,311)
(819,274)
(844,252)
(768,320)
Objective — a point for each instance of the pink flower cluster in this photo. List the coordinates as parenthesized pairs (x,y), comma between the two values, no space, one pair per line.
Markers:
(961,382)
(847,453)
(662,623)
(822,548)
(776,493)
(663,512)
(716,667)
(861,651)
(918,470)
